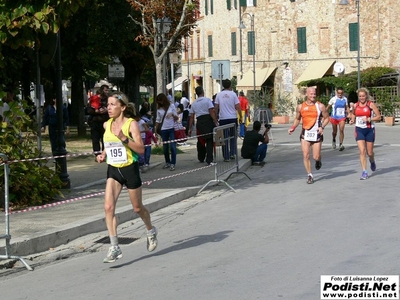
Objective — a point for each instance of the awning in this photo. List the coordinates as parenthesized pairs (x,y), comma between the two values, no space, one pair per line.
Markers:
(317,69)
(177,83)
(247,81)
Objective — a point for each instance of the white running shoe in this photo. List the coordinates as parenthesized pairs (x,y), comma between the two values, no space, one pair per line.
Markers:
(114,253)
(152,240)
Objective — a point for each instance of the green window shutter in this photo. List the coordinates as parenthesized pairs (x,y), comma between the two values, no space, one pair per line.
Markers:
(210,46)
(251,49)
(228,4)
(254,2)
(301,40)
(206,7)
(233,43)
(235,4)
(243,3)
(353,36)
(212,6)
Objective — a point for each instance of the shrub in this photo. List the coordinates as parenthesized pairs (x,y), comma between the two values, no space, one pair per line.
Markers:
(30,182)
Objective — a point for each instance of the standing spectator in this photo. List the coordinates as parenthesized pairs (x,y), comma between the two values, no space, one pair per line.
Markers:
(145,109)
(244,106)
(185,101)
(251,148)
(50,120)
(364,116)
(185,118)
(166,117)
(143,127)
(5,107)
(169,96)
(227,106)
(149,138)
(205,123)
(97,118)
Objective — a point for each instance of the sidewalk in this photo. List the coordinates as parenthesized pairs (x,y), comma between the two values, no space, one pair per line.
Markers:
(39,230)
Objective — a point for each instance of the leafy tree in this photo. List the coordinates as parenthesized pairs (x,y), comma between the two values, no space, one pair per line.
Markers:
(91,41)
(20,20)
(181,14)
(21,24)
(369,77)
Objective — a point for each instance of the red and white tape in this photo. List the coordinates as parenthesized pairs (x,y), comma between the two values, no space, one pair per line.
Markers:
(3,162)
(34,208)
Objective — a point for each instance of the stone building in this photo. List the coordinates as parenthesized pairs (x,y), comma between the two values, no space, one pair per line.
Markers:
(294,40)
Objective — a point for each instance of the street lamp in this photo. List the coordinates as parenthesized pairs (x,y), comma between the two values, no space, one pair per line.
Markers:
(346,2)
(241,26)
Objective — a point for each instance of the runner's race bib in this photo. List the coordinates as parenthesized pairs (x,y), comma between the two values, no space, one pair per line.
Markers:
(340,112)
(360,122)
(311,135)
(116,153)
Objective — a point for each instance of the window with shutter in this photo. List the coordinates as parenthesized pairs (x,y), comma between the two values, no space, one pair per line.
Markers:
(228,4)
(250,43)
(301,40)
(210,46)
(233,43)
(353,36)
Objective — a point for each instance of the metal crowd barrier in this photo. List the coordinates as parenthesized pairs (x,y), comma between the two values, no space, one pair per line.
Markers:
(226,154)
(7,235)
(264,115)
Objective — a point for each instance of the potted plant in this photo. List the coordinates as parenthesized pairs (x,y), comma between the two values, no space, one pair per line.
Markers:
(386,103)
(283,108)
(387,111)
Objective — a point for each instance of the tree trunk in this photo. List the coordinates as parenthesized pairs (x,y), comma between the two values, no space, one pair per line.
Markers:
(78,103)
(132,80)
(159,74)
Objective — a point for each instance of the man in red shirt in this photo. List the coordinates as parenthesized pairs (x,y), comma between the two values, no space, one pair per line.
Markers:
(244,106)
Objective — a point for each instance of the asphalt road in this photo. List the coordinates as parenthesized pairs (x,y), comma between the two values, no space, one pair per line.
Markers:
(272,239)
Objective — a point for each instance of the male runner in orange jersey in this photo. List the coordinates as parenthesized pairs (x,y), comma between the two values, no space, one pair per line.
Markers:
(314,117)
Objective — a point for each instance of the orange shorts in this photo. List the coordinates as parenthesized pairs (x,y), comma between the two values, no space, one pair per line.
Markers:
(337,121)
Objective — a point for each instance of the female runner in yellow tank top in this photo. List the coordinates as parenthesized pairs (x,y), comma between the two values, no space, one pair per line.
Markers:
(123,145)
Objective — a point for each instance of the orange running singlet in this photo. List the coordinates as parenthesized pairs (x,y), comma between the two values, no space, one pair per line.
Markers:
(309,114)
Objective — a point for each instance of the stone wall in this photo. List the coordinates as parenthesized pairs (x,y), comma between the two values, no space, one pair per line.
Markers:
(276,23)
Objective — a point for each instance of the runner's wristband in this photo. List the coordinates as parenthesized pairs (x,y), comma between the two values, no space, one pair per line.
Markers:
(293,128)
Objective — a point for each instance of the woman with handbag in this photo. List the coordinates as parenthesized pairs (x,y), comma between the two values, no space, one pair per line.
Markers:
(165,119)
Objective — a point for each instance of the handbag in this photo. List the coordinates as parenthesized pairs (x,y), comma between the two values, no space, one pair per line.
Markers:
(160,125)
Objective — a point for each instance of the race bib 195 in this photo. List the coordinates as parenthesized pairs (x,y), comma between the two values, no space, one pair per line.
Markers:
(116,153)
